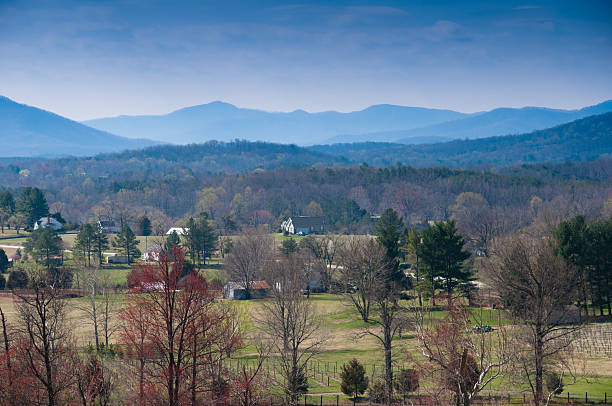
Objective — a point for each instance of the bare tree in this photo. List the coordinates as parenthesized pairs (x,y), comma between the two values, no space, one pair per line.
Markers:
(390,317)
(249,253)
(466,361)
(538,287)
(363,262)
(478,220)
(91,282)
(324,250)
(45,336)
(289,322)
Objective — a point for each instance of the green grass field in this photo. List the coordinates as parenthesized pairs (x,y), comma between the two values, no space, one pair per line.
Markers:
(342,329)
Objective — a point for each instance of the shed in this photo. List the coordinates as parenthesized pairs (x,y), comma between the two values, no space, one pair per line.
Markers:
(237,291)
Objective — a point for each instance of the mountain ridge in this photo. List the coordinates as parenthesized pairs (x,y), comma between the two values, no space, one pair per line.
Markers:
(381,122)
(30,131)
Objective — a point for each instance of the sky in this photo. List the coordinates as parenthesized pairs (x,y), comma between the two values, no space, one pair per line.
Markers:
(104,58)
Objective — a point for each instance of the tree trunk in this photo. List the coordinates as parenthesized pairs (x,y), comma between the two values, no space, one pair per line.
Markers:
(6,346)
(388,365)
(539,368)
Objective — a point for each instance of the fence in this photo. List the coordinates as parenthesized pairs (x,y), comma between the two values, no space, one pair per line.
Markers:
(595,340)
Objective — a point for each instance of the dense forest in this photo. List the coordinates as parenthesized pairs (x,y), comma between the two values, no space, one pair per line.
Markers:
(581,140)
(346,196)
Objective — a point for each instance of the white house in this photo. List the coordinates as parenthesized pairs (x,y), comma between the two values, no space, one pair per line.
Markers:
(108,227)
(178,231)
(152,253)
(48,221)
(302,225)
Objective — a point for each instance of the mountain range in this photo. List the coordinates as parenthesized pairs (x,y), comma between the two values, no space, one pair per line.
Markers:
(27,131)
(31,132)
(381,123)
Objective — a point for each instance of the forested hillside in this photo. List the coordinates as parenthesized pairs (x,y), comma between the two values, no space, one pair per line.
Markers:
(581,140)
(345,196)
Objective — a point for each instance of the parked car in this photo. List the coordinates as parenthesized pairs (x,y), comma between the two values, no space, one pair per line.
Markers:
(482,329)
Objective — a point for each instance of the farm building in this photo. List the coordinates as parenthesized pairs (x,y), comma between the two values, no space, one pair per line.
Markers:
(178,231)
(302,225)
(568,314)
(236,290)
(152,253)
(108,227)
(117,259)
(48,221)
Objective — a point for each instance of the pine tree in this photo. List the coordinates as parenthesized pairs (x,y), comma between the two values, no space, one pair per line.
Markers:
(7,207)
(144,226)
(100,243)
(43,244)
(354,379)
(389,231)
(32,204)
(172,241)
(443,255)
(200,239)
(85,242)
(127,242)
(4,262)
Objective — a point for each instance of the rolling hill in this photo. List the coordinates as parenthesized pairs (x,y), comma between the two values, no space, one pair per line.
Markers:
(581,140)
(31,132)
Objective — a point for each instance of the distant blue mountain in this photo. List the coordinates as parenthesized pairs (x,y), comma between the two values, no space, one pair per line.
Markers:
(380,123)
(27,131)
(503,121)
(224,122)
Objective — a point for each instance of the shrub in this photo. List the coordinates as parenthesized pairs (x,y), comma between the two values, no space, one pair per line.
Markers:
(354,379)
(2,282)
(376,393)
(4,262)
(407,381)
(17,280)
(553,382)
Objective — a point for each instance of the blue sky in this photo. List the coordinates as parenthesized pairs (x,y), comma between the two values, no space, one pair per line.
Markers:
(102,58)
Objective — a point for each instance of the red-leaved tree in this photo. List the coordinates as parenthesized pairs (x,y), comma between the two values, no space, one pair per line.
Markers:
(172,327)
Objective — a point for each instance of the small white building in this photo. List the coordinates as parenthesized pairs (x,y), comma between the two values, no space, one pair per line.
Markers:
(48,221)
(152,253)
(178,231)
(108,227)
(303,225)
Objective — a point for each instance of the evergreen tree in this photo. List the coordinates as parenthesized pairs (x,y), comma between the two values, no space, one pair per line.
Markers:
(443,255)
(17,279)
(354,379)
(32,204)
(589,247)
(144,226)
(389,231)
(43,244)
(288,246)
(200,238)
(85,242)
(4,262)
(412,248)
(127,242)
(100,244)
(7,207)
(172,241)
